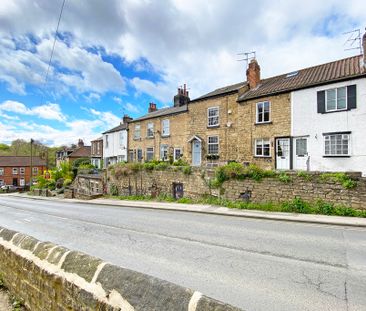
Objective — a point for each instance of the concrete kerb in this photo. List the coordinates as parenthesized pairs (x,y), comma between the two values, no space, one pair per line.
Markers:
(218,210)
(85,282)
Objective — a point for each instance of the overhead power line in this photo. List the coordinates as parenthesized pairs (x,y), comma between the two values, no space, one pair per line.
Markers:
(54,41)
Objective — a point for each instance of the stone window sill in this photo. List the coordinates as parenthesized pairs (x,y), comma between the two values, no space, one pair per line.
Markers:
(263,123)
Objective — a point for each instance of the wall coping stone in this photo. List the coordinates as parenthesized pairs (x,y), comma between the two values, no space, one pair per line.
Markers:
(90,281)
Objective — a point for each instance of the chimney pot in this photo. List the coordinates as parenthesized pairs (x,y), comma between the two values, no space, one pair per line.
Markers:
(152,107)
(126,118)
(253,74)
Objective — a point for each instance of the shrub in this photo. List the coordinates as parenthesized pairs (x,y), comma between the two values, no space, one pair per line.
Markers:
(162,166)
(121,170)
(342,178)
(257,173)
(134,166)
(234,170)
(86,166)
(180,162)
(283,177)
(149,166)
(297,205)
(113,189)
(305,175)
(324,208)
(187,170)
(67,182)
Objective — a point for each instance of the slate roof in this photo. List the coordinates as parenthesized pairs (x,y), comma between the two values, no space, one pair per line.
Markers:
(221,91)
(317,75)
(97,139)
(162,112)
(21,161)
(120,127)
(81,152)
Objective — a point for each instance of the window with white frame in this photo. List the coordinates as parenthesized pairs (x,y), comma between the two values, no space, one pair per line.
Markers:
(98,147)
(1,171)
(336,99)
(337,144)
(263,112)
(1,182)
(165,127)
(137,132)
(35,170)
(213,145)
(121,139)
(15,171)
(262,148)
(106,142)
(164,152)
(22,182)
(177,153)
(149,153)
(121,158)
(22,170)
(213,116)
(150,130)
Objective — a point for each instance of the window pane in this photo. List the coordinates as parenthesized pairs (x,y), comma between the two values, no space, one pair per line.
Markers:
(301,148)
(266,117)
(341,103)
(331,99)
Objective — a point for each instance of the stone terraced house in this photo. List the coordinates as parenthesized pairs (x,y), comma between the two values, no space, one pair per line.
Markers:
(161,134)
(309,119)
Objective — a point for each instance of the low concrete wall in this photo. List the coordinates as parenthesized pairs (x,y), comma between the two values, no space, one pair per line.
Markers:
(51,277)
(310,188)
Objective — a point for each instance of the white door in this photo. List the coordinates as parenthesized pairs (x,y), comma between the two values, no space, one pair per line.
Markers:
(283,153)
(196,153)
(301,156)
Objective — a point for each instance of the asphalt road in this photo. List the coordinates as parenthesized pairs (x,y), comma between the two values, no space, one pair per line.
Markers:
(253,264)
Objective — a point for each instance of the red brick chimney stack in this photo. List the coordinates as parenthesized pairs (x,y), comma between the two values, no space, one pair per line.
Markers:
(152,107)
(126,118)
(80,143)
(253,74)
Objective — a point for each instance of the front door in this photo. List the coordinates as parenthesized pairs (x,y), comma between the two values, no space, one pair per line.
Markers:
(283,153)
(15,181)
(196,153)
(301,157)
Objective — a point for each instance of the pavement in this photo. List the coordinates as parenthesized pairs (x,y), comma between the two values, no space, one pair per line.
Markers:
(215,210)
(253,263)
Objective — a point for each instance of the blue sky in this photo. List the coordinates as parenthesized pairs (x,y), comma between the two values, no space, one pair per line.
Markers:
(114,57)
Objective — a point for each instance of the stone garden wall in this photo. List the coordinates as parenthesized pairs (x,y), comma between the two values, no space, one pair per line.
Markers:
(50,277)
(310,187)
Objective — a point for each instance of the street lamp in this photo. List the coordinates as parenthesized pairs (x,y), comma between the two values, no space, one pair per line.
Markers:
(31,163)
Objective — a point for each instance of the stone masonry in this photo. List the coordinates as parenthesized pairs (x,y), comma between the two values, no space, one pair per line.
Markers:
(271,189)
(279,126)
(50,277)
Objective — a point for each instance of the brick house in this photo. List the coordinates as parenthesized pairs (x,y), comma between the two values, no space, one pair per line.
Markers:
(70,154)
(16,170)
(161,134)
(96,155)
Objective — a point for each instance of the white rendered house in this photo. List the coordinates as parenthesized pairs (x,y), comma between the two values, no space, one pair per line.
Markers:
(329,126)
(115,144)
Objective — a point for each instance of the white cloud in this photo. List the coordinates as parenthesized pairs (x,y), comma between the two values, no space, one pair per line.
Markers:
(131,108)
(48,111)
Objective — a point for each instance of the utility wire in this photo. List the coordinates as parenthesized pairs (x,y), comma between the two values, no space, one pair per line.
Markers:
(54,42)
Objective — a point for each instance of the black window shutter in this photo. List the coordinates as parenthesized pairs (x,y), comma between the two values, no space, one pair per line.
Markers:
(351,97)
(321,102)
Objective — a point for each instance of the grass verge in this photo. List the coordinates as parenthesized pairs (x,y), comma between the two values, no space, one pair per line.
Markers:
(297,205)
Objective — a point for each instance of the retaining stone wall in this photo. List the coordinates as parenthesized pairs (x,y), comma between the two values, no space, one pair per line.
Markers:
(50,277)
(267,190)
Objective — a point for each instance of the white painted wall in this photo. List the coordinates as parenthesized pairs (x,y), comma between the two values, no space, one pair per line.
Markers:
(307,121)
(115,147)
